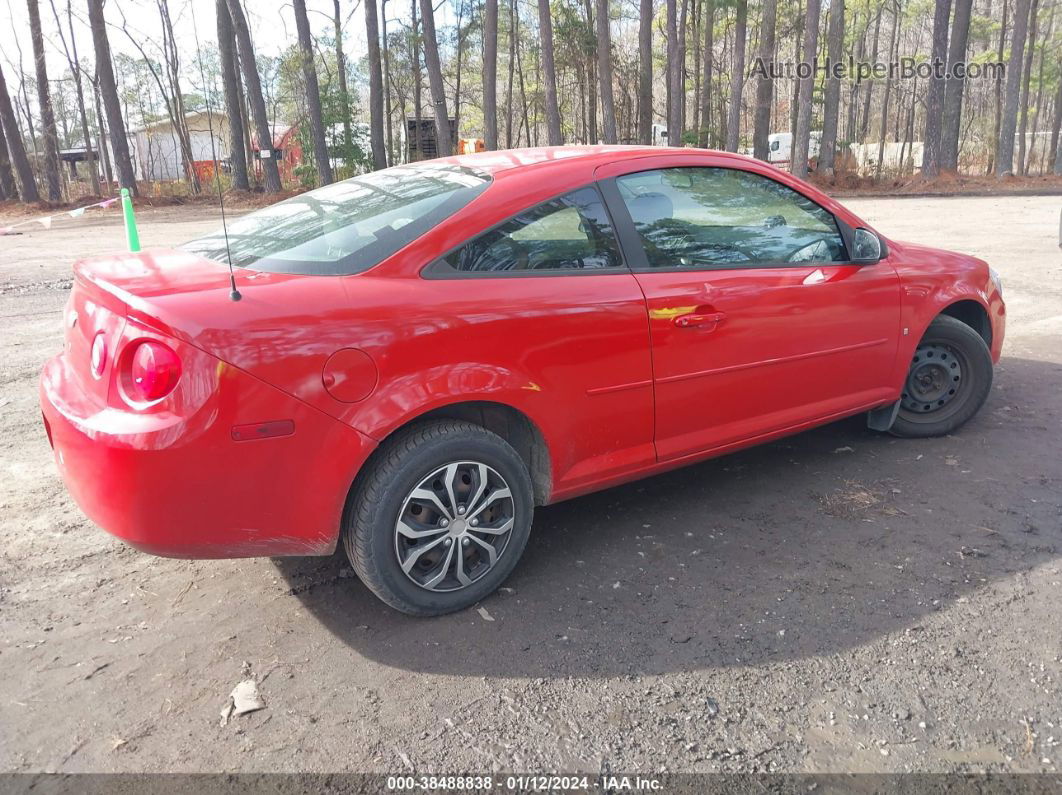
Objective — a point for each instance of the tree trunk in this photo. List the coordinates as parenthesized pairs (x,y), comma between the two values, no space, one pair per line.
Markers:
(387,83)
(1009,116)
(79,92)
(1056,127)
(935,91)
(864,123)
(457,66)
(893,46)
(1037,103)
(1023,101)
(512,74)
(802,139)
(761,123)
(737,76)
(832,102)
(313,91)
(645,72)
(123,163)
(604,72)
(27,188)
(253,85)
(444,146)
(953,91)
(706,81)
(591,77)
(683,14)
(44,100)
(341,74)
(376,104)
(8,189)
(674,77)
(553,125)
(417,82)
(229,80)
(490,74)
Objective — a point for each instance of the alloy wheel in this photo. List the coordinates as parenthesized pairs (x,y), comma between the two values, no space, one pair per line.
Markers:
(454,525)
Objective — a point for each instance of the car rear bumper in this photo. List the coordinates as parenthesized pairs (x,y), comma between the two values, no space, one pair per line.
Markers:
(185,487)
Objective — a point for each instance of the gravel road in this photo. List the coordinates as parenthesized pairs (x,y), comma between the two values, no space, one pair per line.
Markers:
(836,601)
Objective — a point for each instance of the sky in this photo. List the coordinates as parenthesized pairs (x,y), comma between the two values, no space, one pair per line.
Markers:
(272,28)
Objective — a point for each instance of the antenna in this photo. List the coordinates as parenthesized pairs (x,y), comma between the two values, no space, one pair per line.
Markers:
(234,294)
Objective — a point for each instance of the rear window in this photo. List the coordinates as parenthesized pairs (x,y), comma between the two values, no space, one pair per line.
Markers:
(346,227)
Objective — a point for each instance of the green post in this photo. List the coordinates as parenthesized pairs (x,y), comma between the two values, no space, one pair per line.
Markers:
(131,234)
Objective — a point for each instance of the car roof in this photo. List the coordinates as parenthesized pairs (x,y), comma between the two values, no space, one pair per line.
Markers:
(504,160)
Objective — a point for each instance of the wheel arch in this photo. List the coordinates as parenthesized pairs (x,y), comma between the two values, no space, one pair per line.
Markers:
(511,424)
(973,314)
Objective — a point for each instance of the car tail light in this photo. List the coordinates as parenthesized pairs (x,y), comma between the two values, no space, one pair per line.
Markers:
(152,370)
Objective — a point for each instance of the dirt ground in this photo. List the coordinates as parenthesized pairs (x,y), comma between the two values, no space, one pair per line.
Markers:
(836,601)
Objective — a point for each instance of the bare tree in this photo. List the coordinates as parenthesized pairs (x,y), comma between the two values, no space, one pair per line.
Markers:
(645,71)
(761,124)
(604,72)
(376,103)
(737,76)
(123,163)
(44,102)
(802,139)
(935,92)
(1056,128)
(8,188)
(444,145)
(79,92)
(1009,117)
(490,73)
(1023,100)
(674,77)
(253,83)
(341,73)
(230,86)
(709,70)
(27,188)
(953,91)
(553,124)
(313,92)
(832,103)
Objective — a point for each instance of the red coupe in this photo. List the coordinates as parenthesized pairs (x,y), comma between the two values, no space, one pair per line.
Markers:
(422,355)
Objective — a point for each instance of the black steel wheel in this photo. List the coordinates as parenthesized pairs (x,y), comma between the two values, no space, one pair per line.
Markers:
(948,381)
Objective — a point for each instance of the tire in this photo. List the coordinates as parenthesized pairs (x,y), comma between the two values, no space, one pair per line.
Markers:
(391,502)
(949,380)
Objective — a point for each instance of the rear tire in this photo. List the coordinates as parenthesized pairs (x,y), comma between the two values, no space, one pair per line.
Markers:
(948,382)
(440,518)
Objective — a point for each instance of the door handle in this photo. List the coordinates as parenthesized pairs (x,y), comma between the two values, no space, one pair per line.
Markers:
(698,320)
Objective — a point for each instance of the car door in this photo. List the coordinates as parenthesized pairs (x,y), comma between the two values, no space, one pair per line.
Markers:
(547,295)
(758,321)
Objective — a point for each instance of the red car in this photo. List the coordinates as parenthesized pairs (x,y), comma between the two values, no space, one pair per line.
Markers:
(422,355)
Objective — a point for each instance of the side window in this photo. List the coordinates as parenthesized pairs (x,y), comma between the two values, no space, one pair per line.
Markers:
(717,218)
(572,232)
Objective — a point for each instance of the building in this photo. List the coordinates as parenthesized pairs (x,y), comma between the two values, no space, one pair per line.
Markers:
(157,148)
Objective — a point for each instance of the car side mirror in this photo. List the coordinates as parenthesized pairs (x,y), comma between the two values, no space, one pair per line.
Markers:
(866,247)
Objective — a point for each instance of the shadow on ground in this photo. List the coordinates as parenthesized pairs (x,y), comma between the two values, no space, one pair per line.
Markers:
(807,546)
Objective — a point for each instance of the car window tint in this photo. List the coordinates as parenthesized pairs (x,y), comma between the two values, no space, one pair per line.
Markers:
(572,232)
(726,218)
(346,227)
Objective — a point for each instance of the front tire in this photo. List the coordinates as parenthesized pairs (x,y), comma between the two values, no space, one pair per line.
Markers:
(440,518)
(948,382)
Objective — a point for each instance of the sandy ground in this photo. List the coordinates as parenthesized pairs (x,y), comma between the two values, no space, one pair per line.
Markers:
(836,601)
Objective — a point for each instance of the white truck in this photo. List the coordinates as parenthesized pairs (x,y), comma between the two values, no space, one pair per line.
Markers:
(780,149)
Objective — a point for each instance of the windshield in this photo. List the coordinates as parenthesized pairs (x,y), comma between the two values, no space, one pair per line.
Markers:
(346,227)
